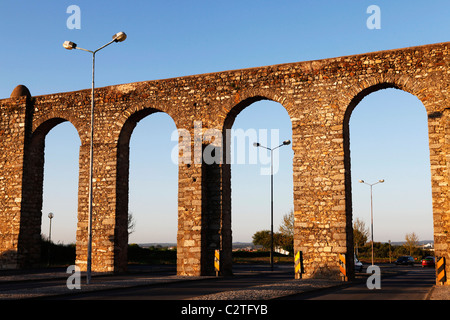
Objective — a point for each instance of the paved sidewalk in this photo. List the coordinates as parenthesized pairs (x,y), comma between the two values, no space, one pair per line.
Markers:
(439,293)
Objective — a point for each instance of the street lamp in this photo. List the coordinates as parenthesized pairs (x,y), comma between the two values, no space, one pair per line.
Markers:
(257,144)
(118,37)
(371,208)
(50,216)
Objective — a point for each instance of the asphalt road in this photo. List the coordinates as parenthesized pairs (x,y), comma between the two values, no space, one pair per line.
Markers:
(397,283)
(185,289)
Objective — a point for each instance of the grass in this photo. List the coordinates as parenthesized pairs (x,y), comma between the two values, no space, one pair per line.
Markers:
(247,257)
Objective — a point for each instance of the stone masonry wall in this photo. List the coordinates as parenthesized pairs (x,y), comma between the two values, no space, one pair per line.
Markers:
(319,97)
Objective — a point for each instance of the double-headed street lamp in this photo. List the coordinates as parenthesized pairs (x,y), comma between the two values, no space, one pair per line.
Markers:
(371,208)
(118,37)
(257,144)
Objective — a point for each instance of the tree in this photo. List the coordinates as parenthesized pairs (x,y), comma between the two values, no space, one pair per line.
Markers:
(283,239)
(360,233)
(412,241)
(131,223)
(262,238)
(287,228)
(286,236)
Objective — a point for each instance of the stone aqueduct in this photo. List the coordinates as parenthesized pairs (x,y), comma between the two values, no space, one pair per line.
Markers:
(319,97)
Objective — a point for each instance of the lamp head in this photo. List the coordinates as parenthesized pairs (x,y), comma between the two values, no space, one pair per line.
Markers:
(256,144)
(382,180)
(119,37)
(361,181)
(286,142)
(69,45)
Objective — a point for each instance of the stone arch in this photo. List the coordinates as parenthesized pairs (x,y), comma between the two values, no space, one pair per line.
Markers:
(245,98)
(122,183)
(32,193)
(347,160)
(46,122)
(240,102)
(414,90)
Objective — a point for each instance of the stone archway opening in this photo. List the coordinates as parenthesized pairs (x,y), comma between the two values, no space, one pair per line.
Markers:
(388,139)
(51,186)
(60,193)
(149,187)
(266,122)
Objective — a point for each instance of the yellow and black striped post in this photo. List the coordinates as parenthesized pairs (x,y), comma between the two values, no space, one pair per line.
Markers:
(343,267)
(440,270)
(217,262)
(298,264)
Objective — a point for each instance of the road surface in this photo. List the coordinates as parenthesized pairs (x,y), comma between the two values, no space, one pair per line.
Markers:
(411,283)
(247,276)
(397,283)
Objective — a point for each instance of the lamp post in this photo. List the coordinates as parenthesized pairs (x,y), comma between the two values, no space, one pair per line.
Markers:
(118,37)
(257,144)
(371,208)
(50,216)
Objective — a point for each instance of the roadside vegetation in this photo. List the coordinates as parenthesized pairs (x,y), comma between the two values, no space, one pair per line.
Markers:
(62,255)
(56,254)
(53,254)
(386,252)
(151,255)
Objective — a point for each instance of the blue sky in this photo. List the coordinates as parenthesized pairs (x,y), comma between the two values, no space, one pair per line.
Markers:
(176,38)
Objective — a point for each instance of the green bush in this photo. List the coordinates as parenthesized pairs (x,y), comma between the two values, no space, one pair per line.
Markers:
(151,255)
(53,254)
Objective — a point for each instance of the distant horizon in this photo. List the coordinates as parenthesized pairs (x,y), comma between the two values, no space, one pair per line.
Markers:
(250,243)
